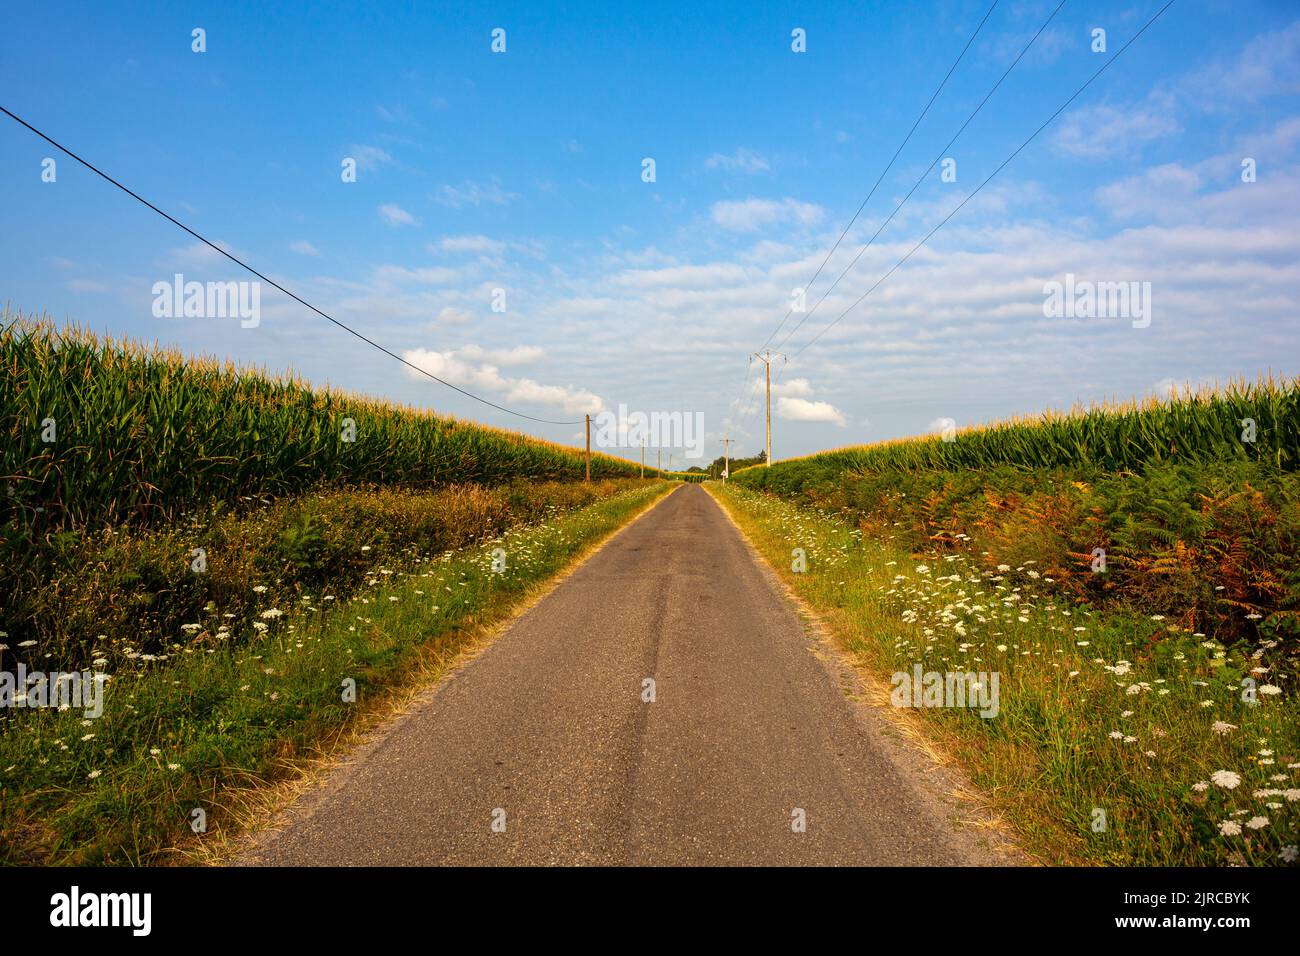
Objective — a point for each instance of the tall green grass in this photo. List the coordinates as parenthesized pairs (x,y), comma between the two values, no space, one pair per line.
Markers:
(141,436)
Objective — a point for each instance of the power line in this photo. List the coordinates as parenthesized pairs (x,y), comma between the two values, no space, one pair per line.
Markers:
(273,283)
(987,96)
(977,189)
(884,172)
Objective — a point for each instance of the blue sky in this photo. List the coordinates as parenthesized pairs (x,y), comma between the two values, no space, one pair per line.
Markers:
(522,171)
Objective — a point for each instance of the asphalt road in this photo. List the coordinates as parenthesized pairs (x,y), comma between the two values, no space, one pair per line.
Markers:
(549,725)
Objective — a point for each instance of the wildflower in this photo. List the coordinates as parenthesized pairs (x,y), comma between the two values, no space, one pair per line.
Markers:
(1289,853)
(1270,690)
(1200,786)
(1230,828)
(258,589)
(1223,727)
(93,774)
(1257,823)
(173,766)
(1226,779)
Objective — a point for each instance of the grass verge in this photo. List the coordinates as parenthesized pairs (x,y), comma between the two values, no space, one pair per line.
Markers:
(179,735)
(1118,738)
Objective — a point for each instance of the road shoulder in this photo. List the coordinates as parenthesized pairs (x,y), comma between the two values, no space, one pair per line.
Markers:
(270,810)
(939,782)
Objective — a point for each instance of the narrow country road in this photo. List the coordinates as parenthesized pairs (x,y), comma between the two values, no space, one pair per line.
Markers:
(549,726)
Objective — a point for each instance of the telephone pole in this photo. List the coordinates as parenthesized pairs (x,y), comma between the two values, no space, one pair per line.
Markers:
(726,457)
(659,461)
(588,449)
(643,459)
(766,359)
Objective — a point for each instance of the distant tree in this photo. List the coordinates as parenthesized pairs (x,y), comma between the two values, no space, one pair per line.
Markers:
(715,469)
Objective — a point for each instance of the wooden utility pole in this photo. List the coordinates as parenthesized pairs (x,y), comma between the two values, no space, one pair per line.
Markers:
(588,449)
(643,459)
(726,457)
(766,359)
(659,461)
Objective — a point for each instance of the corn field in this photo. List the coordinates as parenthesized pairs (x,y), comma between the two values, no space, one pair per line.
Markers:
(99,431)
(1258,421)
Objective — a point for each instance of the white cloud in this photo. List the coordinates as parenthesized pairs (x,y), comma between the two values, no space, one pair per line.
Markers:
(201,254)
(742,160)
(722,273)
(569,400)
(1102,131)
(474,244)
(450,368)
(460,369)
(471,193)
(429,275)
(454,316)
(802,410)
(747,215)
(517,355)
(1158,192)
(395,215)
(799,387)
(303,247)
(1269,65)
(368,157)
